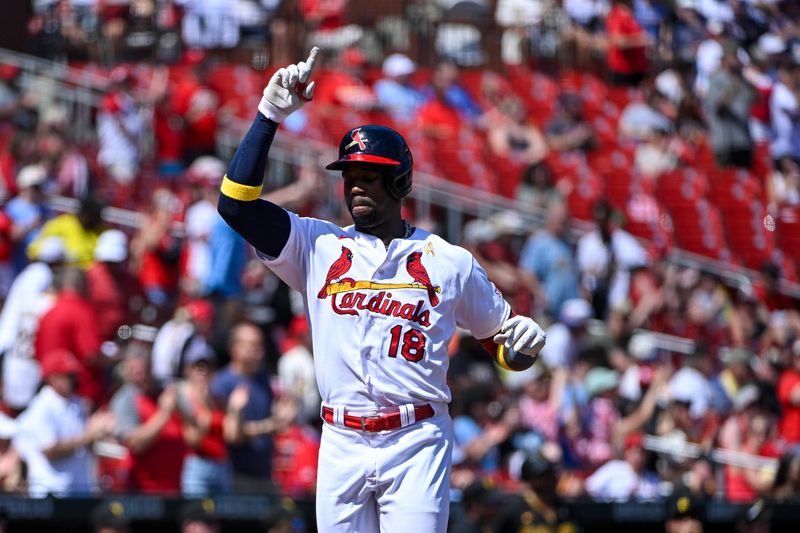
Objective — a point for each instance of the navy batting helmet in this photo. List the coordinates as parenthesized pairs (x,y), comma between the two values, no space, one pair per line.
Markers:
(382,146)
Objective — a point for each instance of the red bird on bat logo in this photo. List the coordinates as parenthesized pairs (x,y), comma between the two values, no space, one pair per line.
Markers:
(417,271)
(337,270)
(357,140)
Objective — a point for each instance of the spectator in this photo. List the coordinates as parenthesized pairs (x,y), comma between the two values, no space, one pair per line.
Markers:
(728,111)
(208,24)
(155,252)
(79,231)
(548,257)
(243,387)
(56,432)
(568,130)
(199,516)
(187,333)
(625,479)
(736,374)
(627,47)
(480,505)
(787,480)
(206,467)
(642,119)
(684,513)
(344,86)
(688,31)
(115,295)
(785,114)
(148,424)
(11,467)
(594,445)
(395,91)
(71,325)
(31,295)
(296,369)
(788,392)
(514,137)
(783,186)
(27,211)
(605,258)
(119,130)
(446,87)
(65,164)
(110,517)
(438,118)
(708,56)
(536,189)
(539,505)
(480,426)
(567,337)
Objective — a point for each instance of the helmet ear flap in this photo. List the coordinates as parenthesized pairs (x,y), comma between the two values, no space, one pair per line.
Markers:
(398,186)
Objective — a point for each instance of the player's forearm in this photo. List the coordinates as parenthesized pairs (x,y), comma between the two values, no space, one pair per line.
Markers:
(263,224)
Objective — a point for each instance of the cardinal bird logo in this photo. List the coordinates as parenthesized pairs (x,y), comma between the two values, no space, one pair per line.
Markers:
(357,140)
(417,271)
(337,270)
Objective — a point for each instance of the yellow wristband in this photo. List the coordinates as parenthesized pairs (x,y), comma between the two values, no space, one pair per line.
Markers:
(237,191)
(501,357)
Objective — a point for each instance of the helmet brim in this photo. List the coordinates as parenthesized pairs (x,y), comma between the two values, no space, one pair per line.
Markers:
(361,158)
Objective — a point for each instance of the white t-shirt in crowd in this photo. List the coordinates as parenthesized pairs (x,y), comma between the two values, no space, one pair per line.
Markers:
(51,418)
(617,481)
(785,128)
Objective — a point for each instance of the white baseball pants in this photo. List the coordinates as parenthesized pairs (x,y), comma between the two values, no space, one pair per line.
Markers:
(396,481)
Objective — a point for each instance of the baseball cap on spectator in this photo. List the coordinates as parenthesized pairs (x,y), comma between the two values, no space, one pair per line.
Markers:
(206,169)
(59,362)
(199,511)
(199,352)
(479,231)
(200,310)
(714,27)
(534,467)
(31,176)
(771,44)
(633,440)
(508,223)
(682,505)
(643,347)
(110,515)
(575,312)
(686,4)
(51,250)
(298,326)
(397,65)
(600,379)
(111,247)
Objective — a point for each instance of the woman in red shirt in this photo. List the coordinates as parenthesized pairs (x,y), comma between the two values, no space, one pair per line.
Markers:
(627,45)
(206,469)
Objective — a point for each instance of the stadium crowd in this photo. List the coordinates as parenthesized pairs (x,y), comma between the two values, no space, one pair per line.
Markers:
(639,116)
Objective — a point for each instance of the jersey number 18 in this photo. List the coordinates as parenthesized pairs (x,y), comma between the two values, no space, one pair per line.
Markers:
(413,348)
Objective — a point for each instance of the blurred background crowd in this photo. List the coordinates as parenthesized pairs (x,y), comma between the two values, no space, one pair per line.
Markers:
(627,172)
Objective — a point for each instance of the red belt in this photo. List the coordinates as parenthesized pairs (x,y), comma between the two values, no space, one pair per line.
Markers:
(373,424)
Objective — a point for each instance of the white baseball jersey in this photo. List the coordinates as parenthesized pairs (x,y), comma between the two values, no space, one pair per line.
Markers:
(381,318)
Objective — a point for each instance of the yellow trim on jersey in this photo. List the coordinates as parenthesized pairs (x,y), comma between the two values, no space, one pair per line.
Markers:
(346,286)
(500,356)
(237,191)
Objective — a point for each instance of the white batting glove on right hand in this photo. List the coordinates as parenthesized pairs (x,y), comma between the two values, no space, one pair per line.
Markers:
(288,89)
(522,335)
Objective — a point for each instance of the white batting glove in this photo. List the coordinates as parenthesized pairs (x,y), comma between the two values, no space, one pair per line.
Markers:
(288,89)
(522,335)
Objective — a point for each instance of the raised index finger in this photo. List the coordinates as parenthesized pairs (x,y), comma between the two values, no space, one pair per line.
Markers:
(312,58)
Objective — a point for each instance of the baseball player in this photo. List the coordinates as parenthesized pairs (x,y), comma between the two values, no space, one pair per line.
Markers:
(383,299)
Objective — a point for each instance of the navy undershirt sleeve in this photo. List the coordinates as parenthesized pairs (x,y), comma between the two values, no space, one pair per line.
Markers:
(263,224)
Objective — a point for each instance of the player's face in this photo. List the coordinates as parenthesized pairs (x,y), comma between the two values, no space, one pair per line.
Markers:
(367,199)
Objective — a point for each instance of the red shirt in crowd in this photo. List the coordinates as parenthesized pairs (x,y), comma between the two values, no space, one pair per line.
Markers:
(158,469)
(72,325)
(112,295)
(790,421)
(621,23)
(438,119)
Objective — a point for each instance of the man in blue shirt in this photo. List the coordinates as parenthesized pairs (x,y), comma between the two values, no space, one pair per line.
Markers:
(27,211)
(243,386)
(549,258)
